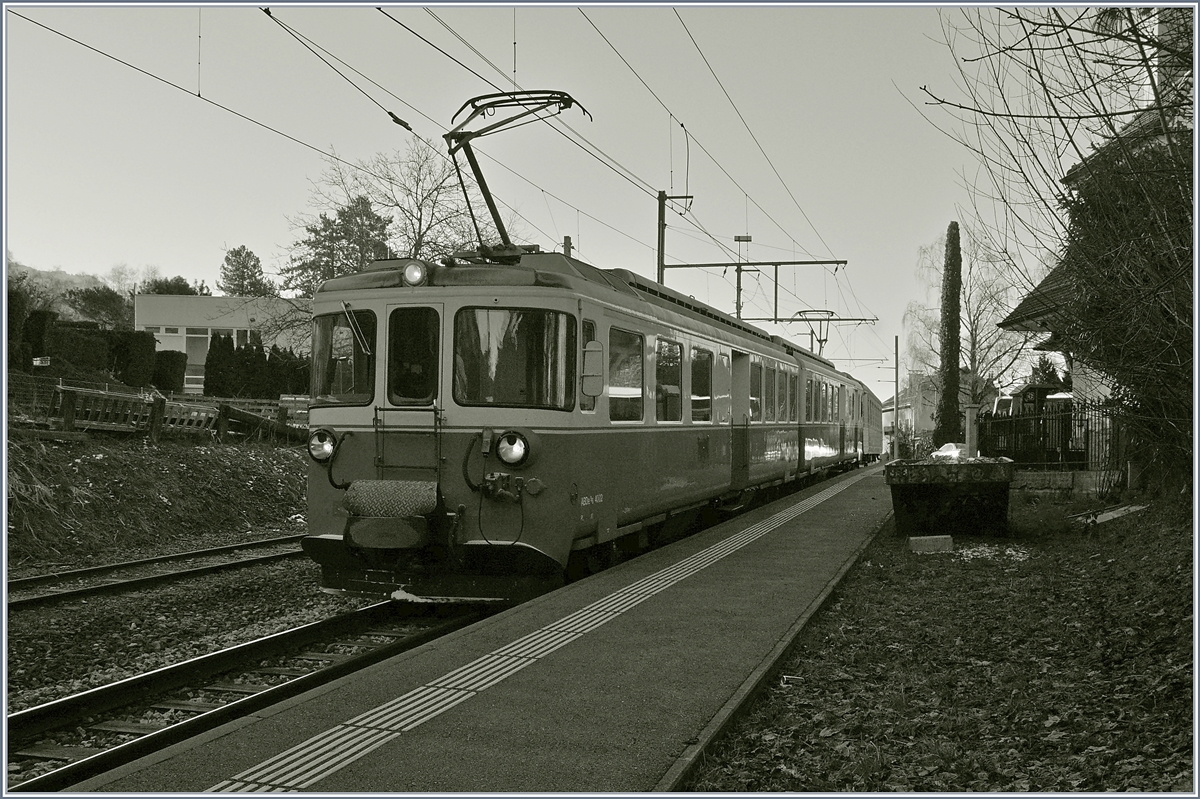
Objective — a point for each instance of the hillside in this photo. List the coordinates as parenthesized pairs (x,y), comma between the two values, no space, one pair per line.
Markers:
(108,499)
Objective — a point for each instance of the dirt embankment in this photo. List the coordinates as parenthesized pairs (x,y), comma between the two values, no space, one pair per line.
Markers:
(103,500)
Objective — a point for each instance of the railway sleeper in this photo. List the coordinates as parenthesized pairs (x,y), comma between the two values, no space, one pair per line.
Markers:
(70,754)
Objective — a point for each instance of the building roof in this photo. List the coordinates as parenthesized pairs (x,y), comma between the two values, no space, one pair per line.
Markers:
(1037,311)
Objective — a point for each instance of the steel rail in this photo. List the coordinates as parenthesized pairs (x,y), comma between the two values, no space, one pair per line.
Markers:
(95,571)
(118,586)
(26,724)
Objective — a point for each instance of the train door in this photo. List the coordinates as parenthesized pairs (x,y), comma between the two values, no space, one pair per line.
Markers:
(740,419)
(841,418)
(407,434)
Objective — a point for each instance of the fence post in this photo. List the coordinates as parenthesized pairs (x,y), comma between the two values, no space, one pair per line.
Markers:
(281,418)
(158,410)
(972,430)
(69,399)
(222,422)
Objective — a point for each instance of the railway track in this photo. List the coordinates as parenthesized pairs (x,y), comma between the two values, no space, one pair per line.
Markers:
(63,742)
(130,575)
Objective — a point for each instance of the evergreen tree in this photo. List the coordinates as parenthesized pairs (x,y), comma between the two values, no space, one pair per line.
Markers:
(172,285)
(219,367)
(948,427)
(346,243)
(1045,373)
(242,275)
(102,304)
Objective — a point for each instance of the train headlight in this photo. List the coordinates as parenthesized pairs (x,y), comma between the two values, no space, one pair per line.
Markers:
(415,273)
(512,448)
(321,444)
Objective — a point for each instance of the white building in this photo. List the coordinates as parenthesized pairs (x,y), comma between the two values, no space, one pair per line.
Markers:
(186,323)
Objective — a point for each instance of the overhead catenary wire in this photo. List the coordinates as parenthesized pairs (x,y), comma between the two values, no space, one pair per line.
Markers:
(690,137)
(751,132)
(595,152)
(749,199)
(332,156)
(311,44)
(190,93)
(304,42)
(323,152)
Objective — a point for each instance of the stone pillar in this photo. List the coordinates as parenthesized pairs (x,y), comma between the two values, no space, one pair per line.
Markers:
(971,433)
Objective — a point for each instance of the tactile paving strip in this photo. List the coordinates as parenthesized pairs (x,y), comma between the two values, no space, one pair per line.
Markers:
(310,761)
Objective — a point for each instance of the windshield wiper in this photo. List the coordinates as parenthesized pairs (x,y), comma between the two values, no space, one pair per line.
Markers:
(354,328)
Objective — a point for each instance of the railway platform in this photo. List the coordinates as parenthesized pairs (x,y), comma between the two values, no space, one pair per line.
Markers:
(611,684)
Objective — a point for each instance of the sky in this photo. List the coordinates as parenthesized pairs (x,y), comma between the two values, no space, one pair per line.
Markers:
(801,126)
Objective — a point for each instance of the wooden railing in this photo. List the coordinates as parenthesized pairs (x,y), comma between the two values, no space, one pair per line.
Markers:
(74,410)
(40,402)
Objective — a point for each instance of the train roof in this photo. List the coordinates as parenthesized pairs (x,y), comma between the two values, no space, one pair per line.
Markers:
(556,270)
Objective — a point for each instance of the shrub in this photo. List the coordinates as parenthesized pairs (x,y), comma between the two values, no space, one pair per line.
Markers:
(85,349)
(131,356)
(170,366)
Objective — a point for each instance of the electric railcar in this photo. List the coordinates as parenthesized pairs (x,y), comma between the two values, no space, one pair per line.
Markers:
(484,429)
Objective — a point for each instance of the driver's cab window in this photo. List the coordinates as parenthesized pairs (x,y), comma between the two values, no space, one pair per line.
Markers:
(413,356)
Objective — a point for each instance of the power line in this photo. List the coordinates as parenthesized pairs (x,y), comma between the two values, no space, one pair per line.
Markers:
(162,80)
(304,42)
(689,137)
(443,128)
(748,130)
(595,152)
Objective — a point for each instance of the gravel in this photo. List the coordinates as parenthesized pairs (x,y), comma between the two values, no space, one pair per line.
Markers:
(62,649)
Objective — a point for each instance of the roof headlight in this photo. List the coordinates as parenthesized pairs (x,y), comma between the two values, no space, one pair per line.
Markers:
(512,448)
(321,444)
(415,273)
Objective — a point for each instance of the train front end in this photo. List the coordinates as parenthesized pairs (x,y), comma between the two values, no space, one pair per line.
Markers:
(436,396)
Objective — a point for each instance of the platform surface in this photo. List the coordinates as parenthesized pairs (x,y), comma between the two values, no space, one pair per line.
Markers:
(601,686)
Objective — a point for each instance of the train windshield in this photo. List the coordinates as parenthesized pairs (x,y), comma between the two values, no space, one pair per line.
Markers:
(515,357)
(413,356)
(343,360)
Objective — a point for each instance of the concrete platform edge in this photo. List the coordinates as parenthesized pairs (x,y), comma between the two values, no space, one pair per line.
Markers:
(686,763)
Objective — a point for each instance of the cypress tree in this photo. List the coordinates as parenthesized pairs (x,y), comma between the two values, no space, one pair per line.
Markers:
(948,425)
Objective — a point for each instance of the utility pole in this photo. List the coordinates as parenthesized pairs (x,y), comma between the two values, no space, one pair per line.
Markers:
(896,406)
(662,232)
(738,305)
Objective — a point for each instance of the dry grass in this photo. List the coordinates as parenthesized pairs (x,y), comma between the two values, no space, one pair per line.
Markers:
(1057,659)
(109,498)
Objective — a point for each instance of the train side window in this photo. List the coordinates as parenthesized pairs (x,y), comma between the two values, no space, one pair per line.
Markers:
(824,401)
(808,400)
(781,396)
(587,403)
(668,381)
(756,390)
(793,397)
(702,361)
(769,406)
(625,380)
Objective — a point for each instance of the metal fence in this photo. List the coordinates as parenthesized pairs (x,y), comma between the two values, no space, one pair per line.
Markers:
(1071,436)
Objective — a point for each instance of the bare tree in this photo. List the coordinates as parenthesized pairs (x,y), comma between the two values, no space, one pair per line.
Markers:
(1082,121)
(991,357)
(122,278)
(418,190)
